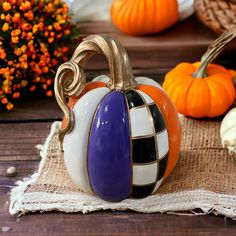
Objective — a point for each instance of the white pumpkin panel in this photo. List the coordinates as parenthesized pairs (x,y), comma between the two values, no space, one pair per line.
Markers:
(76,142)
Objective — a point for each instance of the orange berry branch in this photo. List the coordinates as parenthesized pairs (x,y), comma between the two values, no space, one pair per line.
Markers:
(35,37)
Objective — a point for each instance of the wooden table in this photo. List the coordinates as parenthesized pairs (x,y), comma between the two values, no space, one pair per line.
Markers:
(28,124)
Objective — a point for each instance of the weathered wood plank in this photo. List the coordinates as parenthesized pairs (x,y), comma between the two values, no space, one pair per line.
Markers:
(23,168)
(33,109)
(113,223)
(186,41)
(100,223)
(18,141)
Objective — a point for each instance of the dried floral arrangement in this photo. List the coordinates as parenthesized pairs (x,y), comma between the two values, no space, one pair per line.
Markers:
(36,37)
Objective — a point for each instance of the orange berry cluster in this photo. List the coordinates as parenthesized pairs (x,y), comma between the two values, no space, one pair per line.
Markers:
(35,38)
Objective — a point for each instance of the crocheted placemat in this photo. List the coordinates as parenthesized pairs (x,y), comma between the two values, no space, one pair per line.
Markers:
(219,15)
(204,178)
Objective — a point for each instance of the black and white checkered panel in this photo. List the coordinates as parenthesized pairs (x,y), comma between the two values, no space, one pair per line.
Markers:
(147,140)
(162,143)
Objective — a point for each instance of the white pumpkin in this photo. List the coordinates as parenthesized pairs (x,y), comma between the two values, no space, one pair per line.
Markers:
(228,131)
(186,8)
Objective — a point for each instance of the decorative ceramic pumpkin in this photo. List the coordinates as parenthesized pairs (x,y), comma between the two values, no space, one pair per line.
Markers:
(121,136)
(202,89)
(140,17)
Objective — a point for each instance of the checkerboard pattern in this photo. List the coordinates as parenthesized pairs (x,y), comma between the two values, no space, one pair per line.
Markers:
(149,144)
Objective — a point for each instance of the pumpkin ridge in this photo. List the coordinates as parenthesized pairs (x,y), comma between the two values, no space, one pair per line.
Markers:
(165,15)
(213,86)
(144,12)
(230,92)
(128,18)
(124,17)
(196,98)
(209,100)
(170,86)
(140,5)
(153,11)
(157,16)
(186,96)
(225,81)
(122,9)
(176,95)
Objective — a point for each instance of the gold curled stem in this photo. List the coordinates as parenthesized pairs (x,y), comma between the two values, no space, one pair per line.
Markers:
(121,76)
(214,50)
(70,79)
(69,82)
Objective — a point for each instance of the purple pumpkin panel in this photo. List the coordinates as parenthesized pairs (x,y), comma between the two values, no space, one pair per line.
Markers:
(109,161)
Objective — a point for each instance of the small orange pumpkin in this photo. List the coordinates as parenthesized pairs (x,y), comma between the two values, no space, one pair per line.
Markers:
(202,89)
(140,17)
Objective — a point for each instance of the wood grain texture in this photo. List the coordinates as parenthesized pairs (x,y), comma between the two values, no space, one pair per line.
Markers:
(18,140)
(116,223)
(28,125)
(31,109)
(184,42)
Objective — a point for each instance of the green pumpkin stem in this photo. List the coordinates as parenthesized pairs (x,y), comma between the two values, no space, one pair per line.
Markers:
(214,50)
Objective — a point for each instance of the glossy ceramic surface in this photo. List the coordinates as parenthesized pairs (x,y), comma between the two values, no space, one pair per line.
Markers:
(76,142)
(140,122)
(88,87)
(162,144)
(148,100)
(121,136)
(146,81)
(153,130)
(147,170)
(139,80)
(109,161)
(145,174)
(101,78)
(158,184)
(172,122)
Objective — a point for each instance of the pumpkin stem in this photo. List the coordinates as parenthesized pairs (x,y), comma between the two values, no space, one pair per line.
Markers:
(213,51)
(70,78)
(201,71)
(121,76)
(69,82)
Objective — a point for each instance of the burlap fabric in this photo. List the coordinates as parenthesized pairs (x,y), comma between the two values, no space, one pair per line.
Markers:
(204,178)
(219,15)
